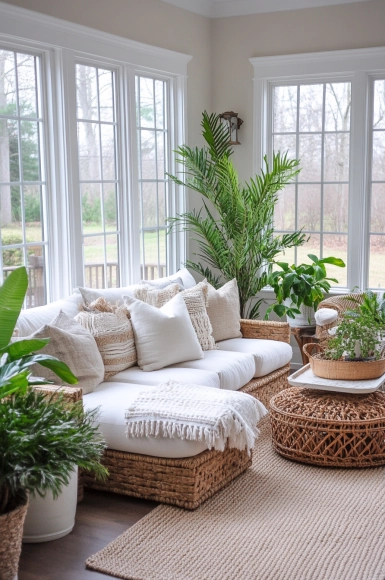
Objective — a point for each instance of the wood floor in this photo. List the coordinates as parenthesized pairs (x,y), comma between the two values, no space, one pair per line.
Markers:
(100,518)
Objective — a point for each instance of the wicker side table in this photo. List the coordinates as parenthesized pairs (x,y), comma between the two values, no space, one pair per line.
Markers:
(330,429)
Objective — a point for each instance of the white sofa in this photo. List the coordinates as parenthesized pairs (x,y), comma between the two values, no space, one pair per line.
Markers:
(258,364)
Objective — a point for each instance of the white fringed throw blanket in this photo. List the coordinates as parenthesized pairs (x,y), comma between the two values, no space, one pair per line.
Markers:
(196,413)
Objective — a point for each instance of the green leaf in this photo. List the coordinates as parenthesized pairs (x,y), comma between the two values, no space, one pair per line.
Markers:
(58,367)
(313,258)
(280,310)
(12,294)
(14,384)
(22,348)
(334,261)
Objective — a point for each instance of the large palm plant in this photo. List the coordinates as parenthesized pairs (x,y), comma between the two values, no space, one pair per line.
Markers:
(234,228)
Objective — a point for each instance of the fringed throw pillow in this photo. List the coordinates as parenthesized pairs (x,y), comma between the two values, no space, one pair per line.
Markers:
(156,296)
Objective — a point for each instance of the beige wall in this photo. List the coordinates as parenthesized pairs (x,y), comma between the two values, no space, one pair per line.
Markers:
(236,39)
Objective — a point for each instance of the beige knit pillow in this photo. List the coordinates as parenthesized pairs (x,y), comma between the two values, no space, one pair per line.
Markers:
(196,300)
(224,311)
(156,297)
(112,330)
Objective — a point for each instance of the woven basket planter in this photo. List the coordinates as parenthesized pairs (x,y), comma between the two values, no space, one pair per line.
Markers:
(343,370)
(11,533)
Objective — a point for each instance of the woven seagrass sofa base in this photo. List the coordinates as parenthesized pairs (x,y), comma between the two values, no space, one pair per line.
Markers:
(186,483)
(266,387)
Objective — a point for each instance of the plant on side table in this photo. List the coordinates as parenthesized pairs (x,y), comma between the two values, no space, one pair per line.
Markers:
(42,438)
(299,289)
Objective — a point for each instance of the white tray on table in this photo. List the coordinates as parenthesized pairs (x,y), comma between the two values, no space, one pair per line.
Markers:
(305,378)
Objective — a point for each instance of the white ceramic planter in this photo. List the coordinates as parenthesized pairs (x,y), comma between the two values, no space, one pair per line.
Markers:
(49,519)
(303,318)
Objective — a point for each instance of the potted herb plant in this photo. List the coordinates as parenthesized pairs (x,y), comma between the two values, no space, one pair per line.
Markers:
(41,438)
(299,289)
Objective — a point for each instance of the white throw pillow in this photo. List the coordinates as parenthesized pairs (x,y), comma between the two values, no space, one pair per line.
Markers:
(32,319)
(74,345)
(325,316)
(224,311)
(187,279)
(112,295)
(163,336)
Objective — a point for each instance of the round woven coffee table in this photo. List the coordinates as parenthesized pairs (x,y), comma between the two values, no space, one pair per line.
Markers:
(330,429)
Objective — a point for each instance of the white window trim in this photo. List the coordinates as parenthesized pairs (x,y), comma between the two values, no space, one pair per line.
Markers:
(361,67)
(61,44)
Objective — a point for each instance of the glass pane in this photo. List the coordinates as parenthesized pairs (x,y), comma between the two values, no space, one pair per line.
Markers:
(376,262)
(12,259)
(284,211)
(106,95)
(11,215)
(30,151)
(337,107)
(336,207)
(310,108)
(162,251)
(149,201)
(378,170)
(9,151)
(151,248)
(26,79)
(159,104)
(93,248)
(108,152)
(33,213)
(91,208)
(285,143)
(285,109)
(36,277)
(147,116)
(377,223)
(336,246)
(86,92)
(162,204)
(112,261)
(110,207)
(310,156)
(160,155)
(312,246)
(147,151)
(286,256)
(379,105)
(7,83)
(89,151)
(336,157)
(309,207)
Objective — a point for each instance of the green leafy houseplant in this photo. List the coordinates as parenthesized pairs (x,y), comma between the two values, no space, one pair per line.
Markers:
(303,284)
(234,229)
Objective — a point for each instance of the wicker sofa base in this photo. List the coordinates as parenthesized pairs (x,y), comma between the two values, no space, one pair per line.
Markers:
(266,387)
(186,483)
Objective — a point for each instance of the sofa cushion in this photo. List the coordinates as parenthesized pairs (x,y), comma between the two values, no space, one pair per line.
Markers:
(114,398)
(112,295)
(269,355)
(196,300)
(163,336)
(32,319)
(187,279)
(234,369)
(192,376)
(224,311)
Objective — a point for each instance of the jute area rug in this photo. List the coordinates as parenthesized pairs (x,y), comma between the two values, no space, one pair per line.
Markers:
(279,521)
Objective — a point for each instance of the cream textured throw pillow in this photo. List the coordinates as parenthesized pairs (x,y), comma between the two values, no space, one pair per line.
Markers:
(74,345)
(156,296)
(224,311)
(113,333)
(196,300)
(163,336)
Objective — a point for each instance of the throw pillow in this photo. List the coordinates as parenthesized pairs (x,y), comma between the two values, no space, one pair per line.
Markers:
(164,283)
(224,311)
(156,296)
(163,336)
(113,333)
(112,295)
(196,301)
(74,345)
(187,280)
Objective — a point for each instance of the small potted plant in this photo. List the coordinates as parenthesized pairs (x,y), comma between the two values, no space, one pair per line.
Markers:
(299,289)
(42,438)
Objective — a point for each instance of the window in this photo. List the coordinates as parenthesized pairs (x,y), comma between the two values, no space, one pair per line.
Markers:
(312,123)
(98,177)
(328,110)
(153,145)
(22,180)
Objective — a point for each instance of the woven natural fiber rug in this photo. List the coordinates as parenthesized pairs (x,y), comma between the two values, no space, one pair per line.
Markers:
(279,521)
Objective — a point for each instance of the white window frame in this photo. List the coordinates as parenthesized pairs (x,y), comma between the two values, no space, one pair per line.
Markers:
(361,67)
(61,45)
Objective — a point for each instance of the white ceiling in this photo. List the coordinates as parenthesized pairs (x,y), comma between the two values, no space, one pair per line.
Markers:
(221,8)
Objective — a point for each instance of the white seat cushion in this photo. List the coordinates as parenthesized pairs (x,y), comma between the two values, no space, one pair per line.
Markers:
(114,398)
(269,355)
(233,369)
(192,376)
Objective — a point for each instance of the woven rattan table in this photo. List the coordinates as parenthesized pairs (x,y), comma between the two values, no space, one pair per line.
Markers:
(330,429)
